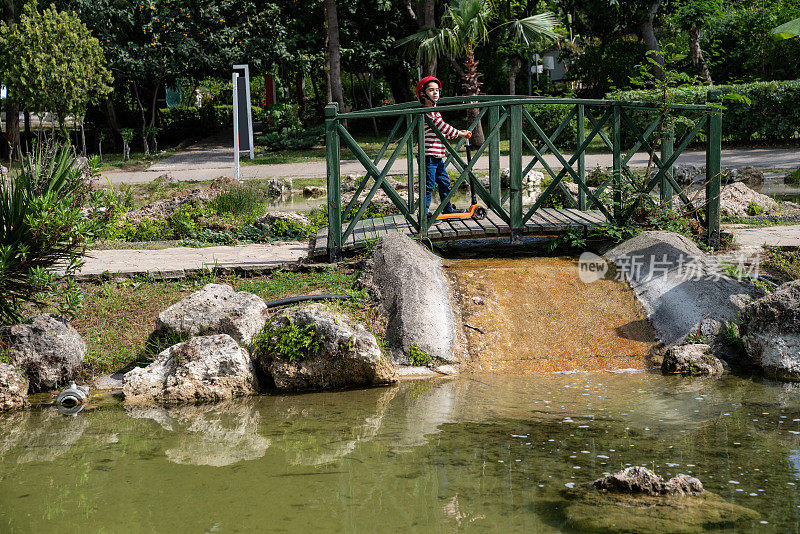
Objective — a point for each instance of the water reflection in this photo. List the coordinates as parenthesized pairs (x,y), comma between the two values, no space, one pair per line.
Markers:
(487,452)
(38,436)
(209,434)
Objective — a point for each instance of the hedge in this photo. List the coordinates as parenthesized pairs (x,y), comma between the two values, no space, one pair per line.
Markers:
(181,121)
(773,113)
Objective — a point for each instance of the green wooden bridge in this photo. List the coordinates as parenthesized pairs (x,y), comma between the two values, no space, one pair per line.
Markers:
(641,125)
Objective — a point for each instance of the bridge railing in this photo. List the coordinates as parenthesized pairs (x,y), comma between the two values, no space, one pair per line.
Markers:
(637,122)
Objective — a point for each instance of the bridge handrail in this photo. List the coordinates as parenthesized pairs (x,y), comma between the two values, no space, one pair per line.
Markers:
(455,103)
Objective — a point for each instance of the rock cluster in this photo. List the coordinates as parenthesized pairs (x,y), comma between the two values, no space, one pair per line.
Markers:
(734,200)
(771,334)
(162,209)
(47,348)
(691,360)
(225,358)
(640,480)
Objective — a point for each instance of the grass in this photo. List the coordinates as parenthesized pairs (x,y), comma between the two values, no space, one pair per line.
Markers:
(243,203)
(118,317)
(113,161)
(783,262)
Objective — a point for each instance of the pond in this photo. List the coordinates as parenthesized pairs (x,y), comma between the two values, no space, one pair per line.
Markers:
(475,453)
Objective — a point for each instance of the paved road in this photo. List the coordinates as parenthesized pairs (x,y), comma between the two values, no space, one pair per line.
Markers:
(179,261)
(213,158)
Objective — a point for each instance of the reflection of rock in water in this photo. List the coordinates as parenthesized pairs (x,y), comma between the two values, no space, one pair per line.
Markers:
(425,405)
(322,428)
(39,436)
(209,434)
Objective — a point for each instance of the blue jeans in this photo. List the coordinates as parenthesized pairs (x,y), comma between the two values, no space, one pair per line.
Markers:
(436,175)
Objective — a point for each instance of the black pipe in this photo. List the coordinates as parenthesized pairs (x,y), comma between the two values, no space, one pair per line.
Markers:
(302,298)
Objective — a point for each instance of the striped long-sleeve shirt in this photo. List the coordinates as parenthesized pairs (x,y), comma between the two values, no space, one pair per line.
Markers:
(433,146)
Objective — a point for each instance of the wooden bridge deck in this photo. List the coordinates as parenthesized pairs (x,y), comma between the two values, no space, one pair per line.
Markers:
(545,221)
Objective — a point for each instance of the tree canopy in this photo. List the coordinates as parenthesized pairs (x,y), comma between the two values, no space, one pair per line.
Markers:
(53,63)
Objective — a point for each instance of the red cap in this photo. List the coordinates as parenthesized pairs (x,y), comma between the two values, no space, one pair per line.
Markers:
(423,82)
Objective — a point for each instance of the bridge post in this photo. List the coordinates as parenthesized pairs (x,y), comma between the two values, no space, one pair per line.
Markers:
(494,155)
(581,158)
(410,164)
(423,209)
(515,169)
(333,163)
(667,147)
(713,168)
(616,172)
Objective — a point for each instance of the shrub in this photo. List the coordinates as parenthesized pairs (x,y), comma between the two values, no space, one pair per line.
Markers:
(290,342)
(43,227)
(288,139)
(754,209)
(773,113)
(286,228)
(417,356)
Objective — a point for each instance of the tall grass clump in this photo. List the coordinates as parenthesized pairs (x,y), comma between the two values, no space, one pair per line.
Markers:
(244,204)
(47,219)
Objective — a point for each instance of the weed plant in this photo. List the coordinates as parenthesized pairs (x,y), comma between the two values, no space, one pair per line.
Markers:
(244,204)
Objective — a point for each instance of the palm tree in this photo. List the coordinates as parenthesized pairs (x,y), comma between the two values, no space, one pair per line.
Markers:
(465,25)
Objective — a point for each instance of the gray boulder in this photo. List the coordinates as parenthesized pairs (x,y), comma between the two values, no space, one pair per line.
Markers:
(215,309)
(13,388)
(205,368)
(407,278)
(772,332)
(327,350)
(47,347)
(690,360)
(680,287)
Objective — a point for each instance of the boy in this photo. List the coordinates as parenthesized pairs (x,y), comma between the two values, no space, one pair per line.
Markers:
(428,90)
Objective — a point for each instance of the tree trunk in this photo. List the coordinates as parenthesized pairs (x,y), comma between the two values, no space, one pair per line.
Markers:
(399,83)
(429,19)
(145,148)
(333,55)
(696,53)
(649,37)
(513,70)
(472,87)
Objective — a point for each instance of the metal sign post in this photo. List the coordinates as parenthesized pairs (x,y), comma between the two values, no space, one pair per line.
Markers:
(242,115)
(235,126)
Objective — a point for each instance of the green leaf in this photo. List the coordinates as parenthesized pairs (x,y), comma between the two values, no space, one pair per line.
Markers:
(786,30)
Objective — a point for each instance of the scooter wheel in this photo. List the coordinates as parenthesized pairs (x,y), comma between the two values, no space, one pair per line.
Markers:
(480,214)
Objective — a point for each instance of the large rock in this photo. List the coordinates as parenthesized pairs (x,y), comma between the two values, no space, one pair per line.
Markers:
(640,480)
(312,348)
(204,368)
(680,287)
(772,332)
(408,280)
(690,360)
(215,309)
(13,388)
(47,347)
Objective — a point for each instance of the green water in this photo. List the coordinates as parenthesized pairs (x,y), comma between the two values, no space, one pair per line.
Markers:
(485,453)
